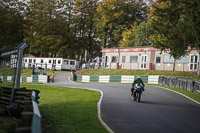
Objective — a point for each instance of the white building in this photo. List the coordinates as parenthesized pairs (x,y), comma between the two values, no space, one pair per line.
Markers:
(148,58)
(50,63)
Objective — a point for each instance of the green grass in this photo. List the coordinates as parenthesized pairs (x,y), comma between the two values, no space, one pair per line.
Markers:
(70,110)
(8,124)
(192,95)
(97,72)
(28,72)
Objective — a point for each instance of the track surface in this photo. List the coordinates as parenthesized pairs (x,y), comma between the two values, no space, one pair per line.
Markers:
(160,110)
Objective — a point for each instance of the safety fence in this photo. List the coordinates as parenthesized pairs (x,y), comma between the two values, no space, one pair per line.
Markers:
(33,78)
(151,79)
(181,83)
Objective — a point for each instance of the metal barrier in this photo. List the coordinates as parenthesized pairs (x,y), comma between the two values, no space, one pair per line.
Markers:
(31,115)
(181,83)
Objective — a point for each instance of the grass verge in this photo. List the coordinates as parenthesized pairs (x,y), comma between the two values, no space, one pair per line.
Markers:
(28,72)
(97,72)
(192,95)
(8,124)
(70,110)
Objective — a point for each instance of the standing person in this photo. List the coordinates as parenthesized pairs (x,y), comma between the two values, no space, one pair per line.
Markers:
(52,77)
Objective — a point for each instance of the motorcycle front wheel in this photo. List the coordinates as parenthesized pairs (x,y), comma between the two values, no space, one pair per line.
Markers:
(138,96)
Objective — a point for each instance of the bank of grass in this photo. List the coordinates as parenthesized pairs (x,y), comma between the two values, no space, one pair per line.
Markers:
(192,95)
(8,125)
(97,72)
(28,72)
(70,110)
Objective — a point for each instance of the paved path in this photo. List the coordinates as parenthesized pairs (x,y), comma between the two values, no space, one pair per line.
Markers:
(160,110)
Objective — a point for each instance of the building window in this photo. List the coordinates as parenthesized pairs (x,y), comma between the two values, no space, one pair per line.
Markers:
(168,59)
(193,62)
(72,62)
(114,59)
(25,60)
(30,60)
(49,61)
(66,62)
(54,61)
(133,59)
(123,59)
(158,58)
(59,61)
(41,61)
(34,60)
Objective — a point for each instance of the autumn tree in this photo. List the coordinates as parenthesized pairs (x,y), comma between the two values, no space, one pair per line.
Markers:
(115,16)
(138,35)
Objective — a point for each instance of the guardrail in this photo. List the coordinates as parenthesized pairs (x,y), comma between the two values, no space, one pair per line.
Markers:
(181,83)
(31,115)
(151,79)
(33,78)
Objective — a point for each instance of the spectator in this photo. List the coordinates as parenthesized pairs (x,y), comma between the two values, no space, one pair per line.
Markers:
(52,77)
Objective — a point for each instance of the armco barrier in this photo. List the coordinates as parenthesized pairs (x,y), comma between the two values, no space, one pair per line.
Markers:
(181,83)
(31,122)
(127,79)
(85,78)
(34,78)
(115,79)
(79,78)
(153,79)
(104,79)
(36,120)
(94,78)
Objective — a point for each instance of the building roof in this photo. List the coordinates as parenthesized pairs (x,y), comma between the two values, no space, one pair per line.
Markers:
(133,49)
(49,58)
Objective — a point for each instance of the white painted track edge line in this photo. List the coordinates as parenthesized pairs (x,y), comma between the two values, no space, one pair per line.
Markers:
(180,94)
(98,106)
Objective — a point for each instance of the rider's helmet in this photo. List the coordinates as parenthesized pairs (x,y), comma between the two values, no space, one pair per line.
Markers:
(138,77)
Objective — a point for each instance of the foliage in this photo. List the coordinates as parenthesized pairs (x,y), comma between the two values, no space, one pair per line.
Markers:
(46,28)
(136,72)
(69,109)
(85,30)
(8,124)
(138,35)
(11,23)
(176,26)
(114,16)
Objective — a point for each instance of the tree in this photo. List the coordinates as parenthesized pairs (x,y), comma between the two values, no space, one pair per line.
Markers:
(176,26)
(137,35)
(11,23)
(115,16)
(46,28)
(85,30)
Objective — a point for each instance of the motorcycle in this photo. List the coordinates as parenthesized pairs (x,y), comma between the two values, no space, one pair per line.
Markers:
(138,89)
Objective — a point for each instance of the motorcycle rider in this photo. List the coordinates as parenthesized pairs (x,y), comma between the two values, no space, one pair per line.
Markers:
(137,81)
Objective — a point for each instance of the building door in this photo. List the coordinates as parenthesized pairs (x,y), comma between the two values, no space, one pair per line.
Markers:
(193,62)
(143,64)
(107,62)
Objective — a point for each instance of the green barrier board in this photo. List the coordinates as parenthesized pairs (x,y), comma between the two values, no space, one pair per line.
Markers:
(115,78)
(94,78)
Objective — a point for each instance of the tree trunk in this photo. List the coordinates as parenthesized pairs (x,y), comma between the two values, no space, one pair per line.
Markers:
(174,64)
(198,69)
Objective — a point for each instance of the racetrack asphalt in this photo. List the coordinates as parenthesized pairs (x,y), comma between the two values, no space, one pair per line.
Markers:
(160,110)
